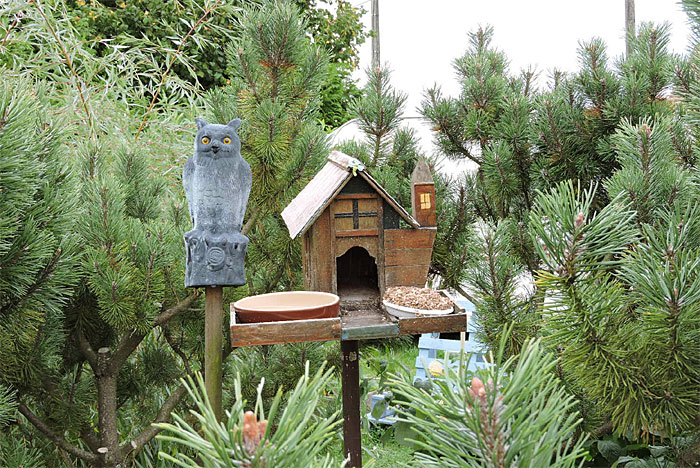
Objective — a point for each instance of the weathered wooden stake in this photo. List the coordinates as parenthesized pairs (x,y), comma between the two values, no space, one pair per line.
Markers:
(352,428)
(630,32)
(213,322)
(375,38)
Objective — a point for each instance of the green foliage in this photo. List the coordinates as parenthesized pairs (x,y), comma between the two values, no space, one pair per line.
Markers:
(148,34)
(341,35)
(516,411)
(37,248)
(525,139)
(277,80)
(492,274)
(622,296)
(164,24)
(280,366)
(260,437)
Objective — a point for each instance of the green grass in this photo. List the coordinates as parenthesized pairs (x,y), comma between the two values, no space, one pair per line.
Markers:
(380,449)
(378,454)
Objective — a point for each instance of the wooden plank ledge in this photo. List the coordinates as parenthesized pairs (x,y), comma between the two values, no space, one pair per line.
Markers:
(433,324)
(366,324)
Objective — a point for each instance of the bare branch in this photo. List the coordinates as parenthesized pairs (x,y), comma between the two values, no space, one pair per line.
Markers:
(151,431)
(130,342)
(55,438)
(87,350)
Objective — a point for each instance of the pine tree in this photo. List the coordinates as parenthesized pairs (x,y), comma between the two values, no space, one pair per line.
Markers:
(108,363)
(515,413)
(121,335)
(525,139)
(278,77)
(590,185)
(391,151)
(38,253)
(622,286)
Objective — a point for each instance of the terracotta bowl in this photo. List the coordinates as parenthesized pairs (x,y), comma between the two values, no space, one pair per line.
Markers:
(290,305)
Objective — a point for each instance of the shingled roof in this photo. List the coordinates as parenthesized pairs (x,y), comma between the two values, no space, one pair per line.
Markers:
(306,207)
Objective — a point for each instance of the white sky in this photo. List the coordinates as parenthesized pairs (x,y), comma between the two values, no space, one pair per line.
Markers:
(420,39)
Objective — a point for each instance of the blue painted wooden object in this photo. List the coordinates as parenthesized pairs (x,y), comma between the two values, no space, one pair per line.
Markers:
(430,344)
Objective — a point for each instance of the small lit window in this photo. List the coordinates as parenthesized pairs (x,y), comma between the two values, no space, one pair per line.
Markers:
(424,201)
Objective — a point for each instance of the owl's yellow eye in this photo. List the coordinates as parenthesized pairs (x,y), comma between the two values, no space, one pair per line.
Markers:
(227,141)
(205,140)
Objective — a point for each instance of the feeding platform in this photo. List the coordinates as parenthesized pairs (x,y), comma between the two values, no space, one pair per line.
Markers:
(353,323)
(357,242)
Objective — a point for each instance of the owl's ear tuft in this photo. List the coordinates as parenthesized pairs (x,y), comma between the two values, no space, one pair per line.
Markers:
(201,123)
(235,123)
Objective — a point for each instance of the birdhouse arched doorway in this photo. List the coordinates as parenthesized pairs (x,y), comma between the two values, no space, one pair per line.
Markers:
(357,274)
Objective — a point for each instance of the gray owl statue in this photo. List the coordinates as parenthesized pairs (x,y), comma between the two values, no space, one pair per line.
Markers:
(217,184)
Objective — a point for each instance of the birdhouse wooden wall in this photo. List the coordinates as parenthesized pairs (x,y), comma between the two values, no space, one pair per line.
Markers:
(352,229)
(359,217)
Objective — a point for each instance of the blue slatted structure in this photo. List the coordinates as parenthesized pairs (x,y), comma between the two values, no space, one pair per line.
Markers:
(430,344)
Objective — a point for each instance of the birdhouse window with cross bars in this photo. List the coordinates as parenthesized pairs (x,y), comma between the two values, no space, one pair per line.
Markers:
(356,214)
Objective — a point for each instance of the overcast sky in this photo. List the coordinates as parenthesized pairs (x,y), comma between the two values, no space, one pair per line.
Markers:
(420,39)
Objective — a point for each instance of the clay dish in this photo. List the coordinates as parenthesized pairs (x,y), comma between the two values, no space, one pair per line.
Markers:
(290,305)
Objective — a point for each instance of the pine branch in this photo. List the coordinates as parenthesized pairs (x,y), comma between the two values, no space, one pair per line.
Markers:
(130,342)
(464,293)
(252,219)
(88,352)
(55,438)
(177,350)
(151,431)
(43,276)
(89,437)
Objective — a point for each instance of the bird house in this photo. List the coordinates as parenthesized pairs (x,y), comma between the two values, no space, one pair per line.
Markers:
(356,239)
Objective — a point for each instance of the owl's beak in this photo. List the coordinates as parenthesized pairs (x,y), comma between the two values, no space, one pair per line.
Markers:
(215,148)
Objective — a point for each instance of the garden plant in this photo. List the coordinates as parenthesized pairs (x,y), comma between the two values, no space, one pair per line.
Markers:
(577,237)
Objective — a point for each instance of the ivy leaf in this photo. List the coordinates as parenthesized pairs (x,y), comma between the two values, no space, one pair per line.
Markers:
(609,449)
(378,409)
(404,434)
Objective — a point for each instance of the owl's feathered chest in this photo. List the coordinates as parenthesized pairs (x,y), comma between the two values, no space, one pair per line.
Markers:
(214,177)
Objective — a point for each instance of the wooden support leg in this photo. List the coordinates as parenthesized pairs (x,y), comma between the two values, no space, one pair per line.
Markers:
(352,427)
(213,321)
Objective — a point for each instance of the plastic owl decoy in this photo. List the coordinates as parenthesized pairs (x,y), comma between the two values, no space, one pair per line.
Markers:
(217,183)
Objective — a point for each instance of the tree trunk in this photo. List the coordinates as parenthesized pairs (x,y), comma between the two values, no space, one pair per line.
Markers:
(107,411)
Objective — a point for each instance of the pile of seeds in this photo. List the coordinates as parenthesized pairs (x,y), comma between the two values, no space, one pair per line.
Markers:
(417,298)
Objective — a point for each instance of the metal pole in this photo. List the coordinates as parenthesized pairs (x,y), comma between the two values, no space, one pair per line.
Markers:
(375,38)
(352,427)
(213,321)
(630,32)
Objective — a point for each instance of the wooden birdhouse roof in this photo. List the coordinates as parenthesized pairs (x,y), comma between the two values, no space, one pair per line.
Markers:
(308,205)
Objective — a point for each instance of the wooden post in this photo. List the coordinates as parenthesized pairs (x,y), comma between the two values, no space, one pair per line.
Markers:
(213,322)
(352,428)
(375,38)
(630,32)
